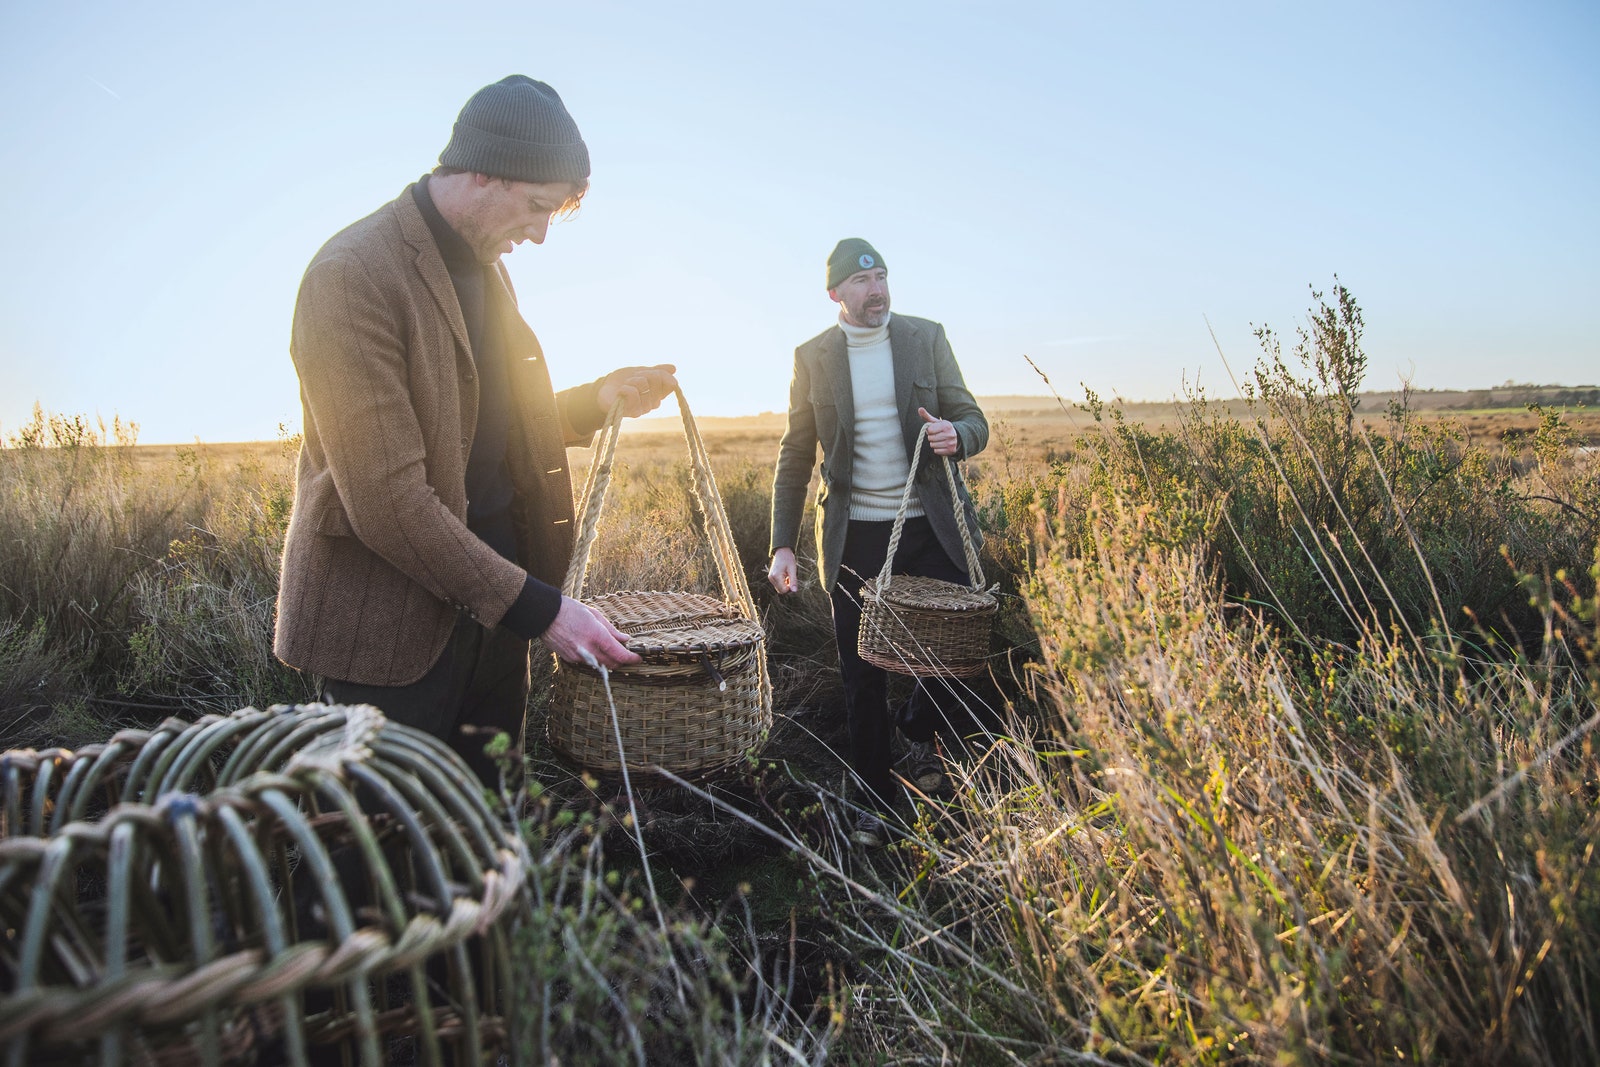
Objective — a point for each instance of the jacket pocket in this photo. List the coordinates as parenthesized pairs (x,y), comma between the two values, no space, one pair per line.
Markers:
(827,419)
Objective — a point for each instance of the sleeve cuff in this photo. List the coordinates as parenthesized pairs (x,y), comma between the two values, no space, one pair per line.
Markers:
(535,608)
(583,409)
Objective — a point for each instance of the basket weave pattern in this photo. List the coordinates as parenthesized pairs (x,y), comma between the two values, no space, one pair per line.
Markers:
(935,635)
(694,702)
(927,627)
(173,894)
(701,700)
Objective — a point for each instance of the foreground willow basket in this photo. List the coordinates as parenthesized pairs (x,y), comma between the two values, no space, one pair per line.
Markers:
(701,700)
(239,888)
(927,627)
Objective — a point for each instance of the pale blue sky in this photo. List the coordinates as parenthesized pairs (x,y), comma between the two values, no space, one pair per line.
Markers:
(1088,184)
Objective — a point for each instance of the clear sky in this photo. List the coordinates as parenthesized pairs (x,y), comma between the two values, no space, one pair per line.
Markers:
(1089,184)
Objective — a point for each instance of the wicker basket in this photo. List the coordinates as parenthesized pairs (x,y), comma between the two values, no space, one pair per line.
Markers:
(701,700)
(242,888)
(926,627)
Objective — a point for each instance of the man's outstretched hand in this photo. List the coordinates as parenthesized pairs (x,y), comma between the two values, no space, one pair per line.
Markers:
(581,634)
(642,389)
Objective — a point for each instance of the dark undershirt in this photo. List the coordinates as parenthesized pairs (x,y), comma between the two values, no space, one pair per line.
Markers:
(490,492)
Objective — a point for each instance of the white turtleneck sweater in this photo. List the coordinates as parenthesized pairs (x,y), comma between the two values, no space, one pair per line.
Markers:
(879,462)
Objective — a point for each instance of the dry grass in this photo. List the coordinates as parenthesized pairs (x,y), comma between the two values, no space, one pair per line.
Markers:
(1204,838)
(1228,858)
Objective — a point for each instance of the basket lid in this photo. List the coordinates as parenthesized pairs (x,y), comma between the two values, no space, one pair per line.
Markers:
(658,622)
(933,594)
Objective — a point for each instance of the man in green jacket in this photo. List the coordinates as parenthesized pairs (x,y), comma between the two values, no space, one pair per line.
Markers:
(864,389)
(432,520)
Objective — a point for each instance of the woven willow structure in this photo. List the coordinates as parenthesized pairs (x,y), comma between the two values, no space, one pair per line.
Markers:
(927,627)
(240,887)
(701,698)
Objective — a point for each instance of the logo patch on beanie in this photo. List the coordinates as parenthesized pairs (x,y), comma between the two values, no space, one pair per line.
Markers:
(866,261)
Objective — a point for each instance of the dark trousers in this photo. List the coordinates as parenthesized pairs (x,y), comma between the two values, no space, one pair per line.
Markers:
(934,706)
(477,689)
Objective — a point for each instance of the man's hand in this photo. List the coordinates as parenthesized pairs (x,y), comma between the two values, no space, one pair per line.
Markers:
(942,437)
(642,389)
(784,574)
(581,634)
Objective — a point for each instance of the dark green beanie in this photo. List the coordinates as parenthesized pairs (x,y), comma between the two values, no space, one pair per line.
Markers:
(849,256)
(518,128)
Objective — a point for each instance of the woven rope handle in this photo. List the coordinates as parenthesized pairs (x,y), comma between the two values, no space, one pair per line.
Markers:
(592,501)
(724,552)
(952,475)
(720,535)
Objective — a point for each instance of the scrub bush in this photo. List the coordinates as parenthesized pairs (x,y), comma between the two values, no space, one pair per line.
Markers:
(1329,524)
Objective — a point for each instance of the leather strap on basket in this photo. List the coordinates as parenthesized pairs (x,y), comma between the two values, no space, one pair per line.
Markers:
(718,533)
(952,475)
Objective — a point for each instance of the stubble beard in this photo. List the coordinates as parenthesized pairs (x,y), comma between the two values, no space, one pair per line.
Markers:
(874,315)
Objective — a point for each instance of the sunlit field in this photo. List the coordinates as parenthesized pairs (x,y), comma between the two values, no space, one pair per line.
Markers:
(1295,761)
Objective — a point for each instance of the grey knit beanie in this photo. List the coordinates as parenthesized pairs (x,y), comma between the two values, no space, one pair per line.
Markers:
(850,256)
(518,128)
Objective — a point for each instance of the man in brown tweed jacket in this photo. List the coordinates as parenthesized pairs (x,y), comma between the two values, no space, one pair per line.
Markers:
(432,520)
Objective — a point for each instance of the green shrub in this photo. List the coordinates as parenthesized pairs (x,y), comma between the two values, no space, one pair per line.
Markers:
(1330,522)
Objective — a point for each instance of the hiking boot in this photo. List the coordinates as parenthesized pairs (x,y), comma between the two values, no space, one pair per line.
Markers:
(923,767)
(870,831)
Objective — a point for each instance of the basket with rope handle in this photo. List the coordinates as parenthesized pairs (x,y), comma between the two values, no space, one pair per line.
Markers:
(701,698)
(927,627)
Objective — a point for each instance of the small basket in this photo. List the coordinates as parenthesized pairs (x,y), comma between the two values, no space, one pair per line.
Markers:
(927,627)
(701,700)
(694,704)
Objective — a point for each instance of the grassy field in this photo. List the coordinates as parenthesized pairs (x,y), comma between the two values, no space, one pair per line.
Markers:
(1296,764)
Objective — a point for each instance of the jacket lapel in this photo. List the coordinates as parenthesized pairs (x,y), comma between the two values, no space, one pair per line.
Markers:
(905,348)
(430,266)
(835,365)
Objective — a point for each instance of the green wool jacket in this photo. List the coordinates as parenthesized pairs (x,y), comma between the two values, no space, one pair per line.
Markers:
(822,411)
(378,562)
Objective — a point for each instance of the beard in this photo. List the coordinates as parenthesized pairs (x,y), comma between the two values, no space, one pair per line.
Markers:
(874,312)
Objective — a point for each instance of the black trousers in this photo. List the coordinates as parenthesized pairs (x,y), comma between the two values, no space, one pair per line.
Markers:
(934,706)
(477,689)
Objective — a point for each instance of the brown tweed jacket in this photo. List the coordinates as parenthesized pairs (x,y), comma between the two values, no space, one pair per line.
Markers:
(378,562)
(822,411)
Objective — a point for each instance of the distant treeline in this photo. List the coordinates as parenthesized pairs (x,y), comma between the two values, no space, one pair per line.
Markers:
(1510,395)
(1520,396)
